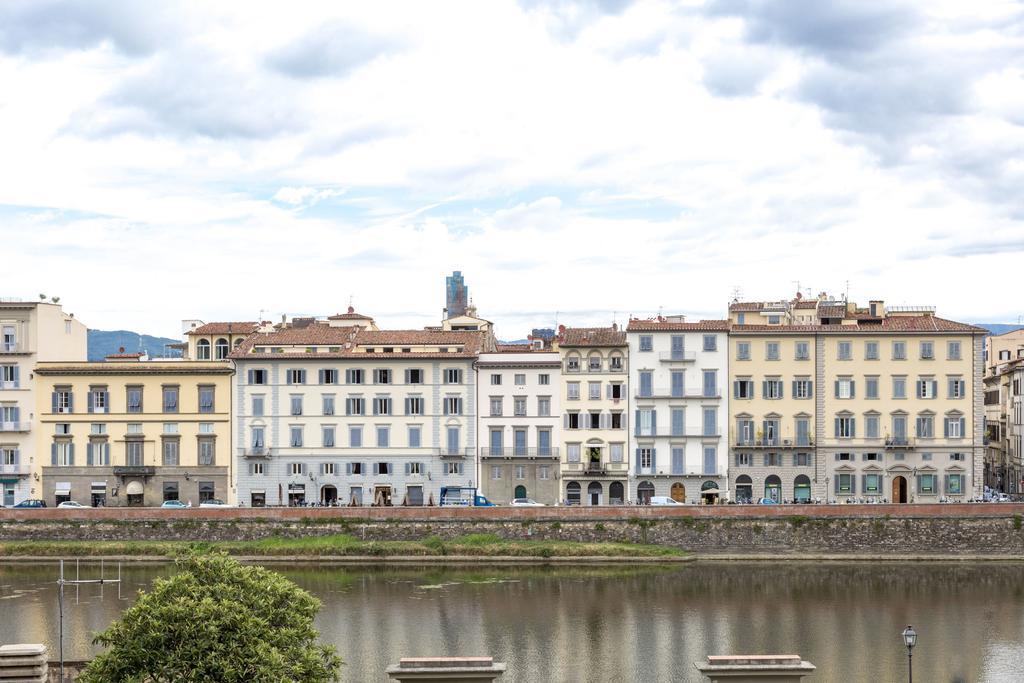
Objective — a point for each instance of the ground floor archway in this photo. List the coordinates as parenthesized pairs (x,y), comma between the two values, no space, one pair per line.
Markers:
(329,495)
(595,492)
(644,492)
(802,489)
(616,493)
(744,489)
(572,493)
(899,489)
(773,488)
(678,492)
(519,492)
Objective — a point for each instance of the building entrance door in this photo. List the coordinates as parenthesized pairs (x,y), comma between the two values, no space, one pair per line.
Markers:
(899,489)
(8,498)
(382,496)
(678,492)
(594,491)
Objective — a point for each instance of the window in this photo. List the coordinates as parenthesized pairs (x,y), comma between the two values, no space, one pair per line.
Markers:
(415,436)
(382,376)
(899,387)
(802,388)
(872,484)
(771,350)
(257,468)
(170,455)
(926,388)
(64,428)
(383,436)
(616,391)
(743,388)
(953,350)
(206,399)
(926,484)
(257,438)
(295,376)
(742,350)
(572,452)
(355,406)
(520,472)
(453,405)
(170,404)
(572,364)
(871,387)
(954,484)
(296,468)
(572,420)
(296,405)
(871,350)
(899,350)
(134,396)
(955,427)
(133,454)
(710,421)
(744,459)
(519,406)
(356,468)
(453,468)
(495,472)
(203,349)
(414,376)
(845,387)
(454,436)
(927,350)
(496,380)
(803,350)
(355,436)
(544,472)
(62,401)
(710,342)
(745,432)
(453,376)
(327,436)
(772,388)
(382,405)
(873,457)
(802,459)
(646,457)
(544,380)
(773,459)
(957,388)
(710,383)
(616,452)
(844,483)
(871,426)
(296,436)
(572,391)
(257,377)
(520,380)
(594,363)
(414,405)
(9,376)
(925,426)
(415,468)
(678,421)
(845,427)
(845,457)
(645,425)
(774,319)
(958,457)
(170,427)
(617,422)
(99,400)
(329,376)
(496,406)
(646,342)
(770,432)
(899,429)
(544,406)
(646,384)
(327,468)
(594,390)
(97,428)
(327,405)
(206,452)
(354,376)
(594,420)
(845,350)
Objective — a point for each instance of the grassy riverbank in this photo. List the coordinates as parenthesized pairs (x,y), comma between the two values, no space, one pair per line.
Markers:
(341,545)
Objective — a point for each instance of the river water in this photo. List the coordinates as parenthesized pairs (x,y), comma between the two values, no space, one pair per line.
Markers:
(611,623)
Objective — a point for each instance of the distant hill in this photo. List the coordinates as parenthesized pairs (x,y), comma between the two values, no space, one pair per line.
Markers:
(999,328)
(102,343)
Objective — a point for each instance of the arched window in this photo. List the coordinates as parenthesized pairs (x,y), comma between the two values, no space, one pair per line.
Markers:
(616,493)
(572,493)
(203,349)
(773,488)
(594,493)
(744,489)
(802,489)
(238,342)
(221,349)
(678,492)
(572,363)
(520,492)
(594,362)
(644,492)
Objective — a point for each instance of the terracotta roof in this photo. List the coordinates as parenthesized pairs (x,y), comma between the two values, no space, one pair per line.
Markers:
(135,368)
(808,303)
(349,315)
(125,355)
(832,311)
(314,334)
(225,328)
(514,348)
(917,323)
(745,306)
(661,326)
(471,340)
(593,336)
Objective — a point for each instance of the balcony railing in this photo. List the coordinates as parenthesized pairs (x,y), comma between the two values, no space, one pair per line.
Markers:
(9,385)
(513,452)
(578,468)
(14,426)
(134,470)
(18,469)
(677,357)
(453,452)
(898,442)
(775,443)
(12,347)
(257,452)
(669,392)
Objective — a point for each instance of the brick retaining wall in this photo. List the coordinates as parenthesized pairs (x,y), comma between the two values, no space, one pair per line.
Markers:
(838,529)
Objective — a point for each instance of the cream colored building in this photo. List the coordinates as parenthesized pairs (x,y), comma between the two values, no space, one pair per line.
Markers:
(213,341)
(30,331)
(1004,427)
(1003,348)
(133,433)
(896,412)
(595,423)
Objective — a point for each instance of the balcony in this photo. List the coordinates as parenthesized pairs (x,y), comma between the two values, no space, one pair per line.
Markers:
(134,471)
(513,452)
(9,385)
(667,392)
(20,470)
(257,452)
(595,469)
(15,426)
(453,452)
(898,442)
(677,357)
(774,443)
(13,347)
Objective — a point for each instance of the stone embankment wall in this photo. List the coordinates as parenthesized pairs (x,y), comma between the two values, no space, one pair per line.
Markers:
(989,529)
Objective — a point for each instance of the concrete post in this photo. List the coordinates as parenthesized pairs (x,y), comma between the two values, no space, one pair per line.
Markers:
(24,663)
(467,669)
(755,668)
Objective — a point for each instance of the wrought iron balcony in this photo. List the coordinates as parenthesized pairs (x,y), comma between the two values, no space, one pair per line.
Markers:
(677,357)
(775,443)
(669,392)
(898,442)
(256,452)
(134,471)
(453,452)
(514,452)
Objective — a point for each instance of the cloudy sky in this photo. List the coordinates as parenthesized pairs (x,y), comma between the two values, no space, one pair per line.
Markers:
(576,160)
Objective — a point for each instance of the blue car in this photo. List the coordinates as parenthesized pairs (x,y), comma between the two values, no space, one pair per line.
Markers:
(31,503)
(174,505)
(767,501)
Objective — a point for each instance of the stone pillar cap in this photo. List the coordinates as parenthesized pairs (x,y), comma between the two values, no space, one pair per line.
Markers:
(22,649)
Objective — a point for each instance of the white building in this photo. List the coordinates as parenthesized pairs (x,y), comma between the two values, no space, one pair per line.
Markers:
(520,417)
(679,443)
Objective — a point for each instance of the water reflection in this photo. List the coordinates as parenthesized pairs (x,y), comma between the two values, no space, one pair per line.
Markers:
(614,623)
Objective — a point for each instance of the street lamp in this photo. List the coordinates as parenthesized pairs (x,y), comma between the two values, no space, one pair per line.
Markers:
(910,640)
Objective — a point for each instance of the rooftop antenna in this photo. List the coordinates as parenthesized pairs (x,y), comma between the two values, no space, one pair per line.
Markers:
(736,293)
(797,283)
(262,311)
(846,295)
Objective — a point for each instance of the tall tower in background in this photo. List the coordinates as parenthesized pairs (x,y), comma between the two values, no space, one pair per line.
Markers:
(456,295)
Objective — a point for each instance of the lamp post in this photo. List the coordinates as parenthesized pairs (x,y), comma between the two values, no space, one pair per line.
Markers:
(910,640)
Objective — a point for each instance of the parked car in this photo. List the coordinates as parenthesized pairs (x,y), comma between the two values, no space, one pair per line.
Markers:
(526,502)
(767,501)
(175,505)
(214,503)
(1001,498)
(31,503)
(71,504)
(664,500)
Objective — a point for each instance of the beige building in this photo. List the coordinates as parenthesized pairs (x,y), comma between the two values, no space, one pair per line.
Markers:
(594,382)
(30,331)
(213,341)
(123,433)
(875,402)
(1003,348)
(1004,427)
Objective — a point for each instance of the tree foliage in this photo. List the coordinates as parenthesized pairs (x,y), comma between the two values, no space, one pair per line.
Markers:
(216,620)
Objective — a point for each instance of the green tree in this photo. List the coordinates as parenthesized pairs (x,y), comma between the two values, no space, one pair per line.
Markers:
(216,620)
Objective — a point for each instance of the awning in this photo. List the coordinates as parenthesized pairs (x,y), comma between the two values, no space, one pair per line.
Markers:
(300,488)
(134,488)
(710,492)
(99,485)
(8,481)
(62,492)
(261,491)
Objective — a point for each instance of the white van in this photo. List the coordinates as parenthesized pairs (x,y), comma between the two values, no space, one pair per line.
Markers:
(664,500)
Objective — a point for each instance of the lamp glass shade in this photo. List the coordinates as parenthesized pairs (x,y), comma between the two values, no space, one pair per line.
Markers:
(909,637)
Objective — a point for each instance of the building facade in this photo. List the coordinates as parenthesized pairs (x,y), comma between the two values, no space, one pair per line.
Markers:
(595,417)
(30,332)
(134,433)
(679,445)
(1004,429)
(893,402)
(520,417)
(339,412)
